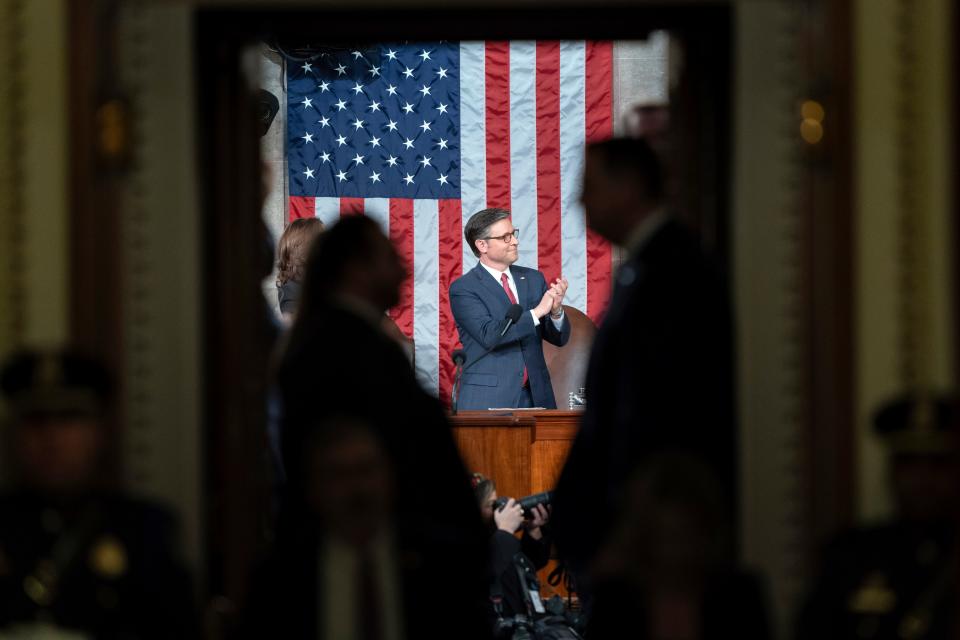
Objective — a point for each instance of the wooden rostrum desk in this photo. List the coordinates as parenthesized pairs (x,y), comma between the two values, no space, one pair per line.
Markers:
(522,451)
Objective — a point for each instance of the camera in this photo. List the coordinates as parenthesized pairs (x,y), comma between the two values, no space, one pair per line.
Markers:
(528,503)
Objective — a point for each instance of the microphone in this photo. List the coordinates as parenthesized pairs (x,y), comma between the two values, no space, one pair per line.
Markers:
(459,356)
(513,314)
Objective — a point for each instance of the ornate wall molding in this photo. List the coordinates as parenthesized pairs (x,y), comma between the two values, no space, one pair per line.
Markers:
(12,71)
(160,236)
(769,243)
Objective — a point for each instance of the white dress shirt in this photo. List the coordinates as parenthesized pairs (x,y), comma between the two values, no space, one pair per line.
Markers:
(497,274)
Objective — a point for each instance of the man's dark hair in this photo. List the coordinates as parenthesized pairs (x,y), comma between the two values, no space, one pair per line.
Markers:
(631,159)
(348,242)
(479,224)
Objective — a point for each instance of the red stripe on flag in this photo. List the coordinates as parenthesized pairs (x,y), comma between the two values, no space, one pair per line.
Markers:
(497,65)
(451,267)
(401,233)
(599,125)
(351,207)
(549,240)
(302,207)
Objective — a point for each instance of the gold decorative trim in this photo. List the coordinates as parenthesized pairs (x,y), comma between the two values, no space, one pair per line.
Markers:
(12,27)
(913,283)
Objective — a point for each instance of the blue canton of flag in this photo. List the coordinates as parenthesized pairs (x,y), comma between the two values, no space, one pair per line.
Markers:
(378,123)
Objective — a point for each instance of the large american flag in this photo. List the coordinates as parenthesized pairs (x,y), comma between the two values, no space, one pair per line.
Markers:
(421,136)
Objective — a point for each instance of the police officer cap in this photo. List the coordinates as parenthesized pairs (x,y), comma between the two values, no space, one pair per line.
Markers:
(58,382)
(918,423)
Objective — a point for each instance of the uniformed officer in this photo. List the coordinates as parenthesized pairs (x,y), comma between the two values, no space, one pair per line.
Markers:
(897,580)
(77,559)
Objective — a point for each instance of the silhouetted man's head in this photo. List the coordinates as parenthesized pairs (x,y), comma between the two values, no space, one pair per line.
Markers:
(622,183)
(354,258)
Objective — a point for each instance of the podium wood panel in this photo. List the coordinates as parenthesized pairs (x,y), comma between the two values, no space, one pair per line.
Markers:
(522,451)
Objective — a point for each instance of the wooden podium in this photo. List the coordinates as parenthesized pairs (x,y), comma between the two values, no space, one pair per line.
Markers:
(522,451)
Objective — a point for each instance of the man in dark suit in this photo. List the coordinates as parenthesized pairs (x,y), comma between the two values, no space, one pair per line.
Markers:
(659,377)
(339,361)
(898,578)
(514,373)
(77,557)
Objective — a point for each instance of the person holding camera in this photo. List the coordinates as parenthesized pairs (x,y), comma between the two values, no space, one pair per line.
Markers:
(504,522)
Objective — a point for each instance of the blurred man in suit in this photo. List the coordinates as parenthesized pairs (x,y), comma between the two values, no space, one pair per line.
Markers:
(338,360)
(77,557)
(514,373)
(898,579)
(660,372)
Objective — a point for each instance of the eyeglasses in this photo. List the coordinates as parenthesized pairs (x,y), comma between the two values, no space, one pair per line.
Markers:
(505,238)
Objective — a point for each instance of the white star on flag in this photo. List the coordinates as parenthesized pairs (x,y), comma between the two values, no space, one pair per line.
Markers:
(340,105)
(392,161)
(325,157)
(341,140)
(357,124)
(408,108)
(308,173)
(374,106)
(425,55)
(425,162)
(391,90)
(442,108)
(391,54)
(374,71)
(358,159)
(307,102)
(425,126)
(392,126)
(408,179)
(307,138)
(375,177)
(408,72)
(442,143)
(341,70)
(442,179)
(307,67)
(357,88)
(324,86)
(375,141)
(324,122)
(342,176)
(425,90)
(442,72)
(408,143)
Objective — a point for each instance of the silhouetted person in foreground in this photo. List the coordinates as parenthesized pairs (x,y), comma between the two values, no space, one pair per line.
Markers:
(660,371)
(76,556)
(898,579)
(664,572)
(339,360)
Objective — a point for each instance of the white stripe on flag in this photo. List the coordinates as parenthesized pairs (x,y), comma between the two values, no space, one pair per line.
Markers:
(572,139)
(379,210)
(426,292)
(473,136)
(523,147)
(328,210)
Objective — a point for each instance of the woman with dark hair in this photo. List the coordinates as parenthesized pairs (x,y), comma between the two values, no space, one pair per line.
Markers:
(292,251)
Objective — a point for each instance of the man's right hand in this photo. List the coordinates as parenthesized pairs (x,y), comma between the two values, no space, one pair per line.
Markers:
(510,518)
(546,304)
